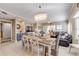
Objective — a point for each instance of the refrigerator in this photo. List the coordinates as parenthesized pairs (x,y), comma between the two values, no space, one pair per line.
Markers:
(6,29)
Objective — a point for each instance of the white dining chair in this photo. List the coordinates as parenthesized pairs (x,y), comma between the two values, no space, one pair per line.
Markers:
(26,42)
(55,46)
(35,46)
(76,46)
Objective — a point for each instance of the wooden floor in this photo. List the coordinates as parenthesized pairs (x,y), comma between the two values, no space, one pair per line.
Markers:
(16,49)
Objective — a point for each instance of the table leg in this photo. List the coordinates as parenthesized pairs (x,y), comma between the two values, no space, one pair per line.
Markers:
(49,50)
(70,49)
(44,51)
(38,50)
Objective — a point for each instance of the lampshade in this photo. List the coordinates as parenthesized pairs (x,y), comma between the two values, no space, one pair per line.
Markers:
(40,17)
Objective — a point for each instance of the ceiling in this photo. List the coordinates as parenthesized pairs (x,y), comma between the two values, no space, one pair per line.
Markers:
(55,11)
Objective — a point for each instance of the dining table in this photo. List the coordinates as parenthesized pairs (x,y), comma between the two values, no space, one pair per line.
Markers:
(44,41)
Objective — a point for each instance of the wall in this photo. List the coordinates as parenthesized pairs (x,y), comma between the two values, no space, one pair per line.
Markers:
(22,26)
(13,30)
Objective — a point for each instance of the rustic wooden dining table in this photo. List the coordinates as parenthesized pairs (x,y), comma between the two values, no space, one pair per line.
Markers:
(44,41)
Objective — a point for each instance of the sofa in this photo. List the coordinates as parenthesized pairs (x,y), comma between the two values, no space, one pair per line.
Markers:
(65,40)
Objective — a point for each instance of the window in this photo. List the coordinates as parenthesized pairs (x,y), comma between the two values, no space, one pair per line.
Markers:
(59,27)
(53,27)
(77,26)
(69,28)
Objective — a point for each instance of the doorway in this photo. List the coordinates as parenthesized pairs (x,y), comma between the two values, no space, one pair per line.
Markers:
(5,31)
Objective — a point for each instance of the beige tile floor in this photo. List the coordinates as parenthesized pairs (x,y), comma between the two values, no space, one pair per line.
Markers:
(64,51)
(12,49)
(16,49)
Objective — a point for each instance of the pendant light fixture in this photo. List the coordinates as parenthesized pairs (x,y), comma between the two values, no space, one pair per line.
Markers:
(40,16)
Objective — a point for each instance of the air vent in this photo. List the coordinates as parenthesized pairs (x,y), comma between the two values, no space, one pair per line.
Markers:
(3,12)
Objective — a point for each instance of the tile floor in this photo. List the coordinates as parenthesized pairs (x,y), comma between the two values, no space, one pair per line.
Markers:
(16,49)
